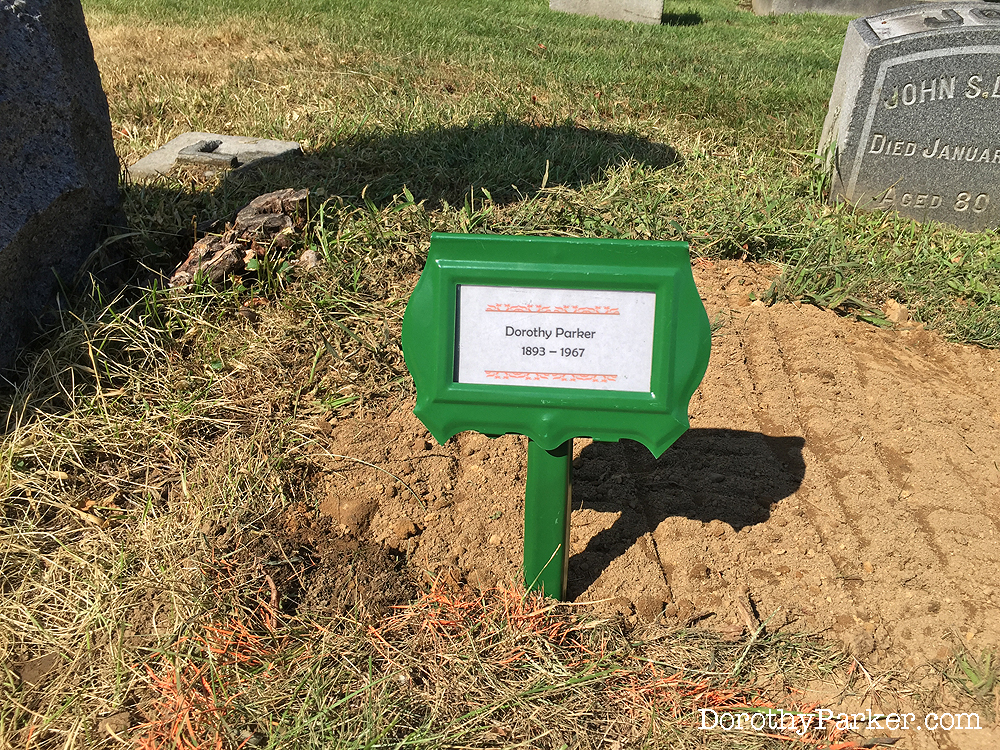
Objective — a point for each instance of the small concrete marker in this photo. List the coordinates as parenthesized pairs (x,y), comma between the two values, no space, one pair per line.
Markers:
(211,150)
(914,118)
(639,11)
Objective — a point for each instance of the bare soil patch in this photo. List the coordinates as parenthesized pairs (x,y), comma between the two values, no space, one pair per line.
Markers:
(840,477)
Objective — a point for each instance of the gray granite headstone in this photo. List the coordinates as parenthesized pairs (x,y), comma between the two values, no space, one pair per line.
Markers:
(914,119)
(852,8)
(58,168)
(641,11)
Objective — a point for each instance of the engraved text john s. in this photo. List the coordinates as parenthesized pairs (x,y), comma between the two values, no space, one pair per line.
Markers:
(940,89)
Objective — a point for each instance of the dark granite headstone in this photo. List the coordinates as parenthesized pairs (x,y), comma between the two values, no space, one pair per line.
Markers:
(58,168)
(914,120)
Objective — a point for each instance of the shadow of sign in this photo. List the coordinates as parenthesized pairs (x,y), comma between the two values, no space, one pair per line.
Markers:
(732,476)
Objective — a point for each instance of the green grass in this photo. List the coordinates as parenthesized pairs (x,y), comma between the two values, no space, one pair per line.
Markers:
(731,69)
(703,132)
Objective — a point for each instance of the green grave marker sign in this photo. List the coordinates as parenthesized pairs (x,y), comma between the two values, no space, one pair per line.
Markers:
(555,338)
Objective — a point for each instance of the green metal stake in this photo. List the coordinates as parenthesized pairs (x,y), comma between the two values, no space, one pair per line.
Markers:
(547,503)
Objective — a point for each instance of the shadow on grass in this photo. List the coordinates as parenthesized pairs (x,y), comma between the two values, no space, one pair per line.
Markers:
(680,19)
(732,476)
(508,158)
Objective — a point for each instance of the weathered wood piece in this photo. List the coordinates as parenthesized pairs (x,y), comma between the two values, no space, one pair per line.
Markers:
(265,223)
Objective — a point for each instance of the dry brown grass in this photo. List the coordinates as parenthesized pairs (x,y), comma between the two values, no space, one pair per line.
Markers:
(137,427)
(163,80)
(452,669)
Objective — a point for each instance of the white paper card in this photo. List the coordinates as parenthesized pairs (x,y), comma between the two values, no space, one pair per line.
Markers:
(555,338)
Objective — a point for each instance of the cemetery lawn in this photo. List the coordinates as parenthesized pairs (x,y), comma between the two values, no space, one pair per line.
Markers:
(224,528)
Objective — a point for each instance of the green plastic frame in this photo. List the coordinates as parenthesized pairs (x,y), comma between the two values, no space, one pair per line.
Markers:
(551,416)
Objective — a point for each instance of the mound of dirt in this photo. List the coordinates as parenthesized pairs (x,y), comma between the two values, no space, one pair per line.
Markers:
(838,478)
